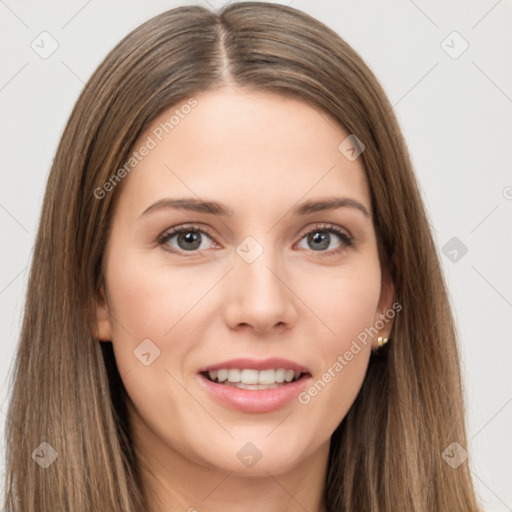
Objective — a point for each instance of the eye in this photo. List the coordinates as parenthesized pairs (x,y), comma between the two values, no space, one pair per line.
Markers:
(194,240)
(321,239)
(185,239)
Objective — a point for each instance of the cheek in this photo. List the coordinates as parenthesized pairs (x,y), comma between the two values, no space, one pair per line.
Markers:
(149,307)
(348,303)
(355,309)
(151,303)
(345,301)
(148,300)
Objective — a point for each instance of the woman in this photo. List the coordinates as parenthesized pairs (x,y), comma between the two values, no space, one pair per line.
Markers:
(235,301)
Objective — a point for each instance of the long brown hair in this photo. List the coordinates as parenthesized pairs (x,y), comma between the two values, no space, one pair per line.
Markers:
(386,455)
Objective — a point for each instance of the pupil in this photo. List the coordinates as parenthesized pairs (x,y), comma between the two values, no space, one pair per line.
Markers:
(322,239)
(189,237)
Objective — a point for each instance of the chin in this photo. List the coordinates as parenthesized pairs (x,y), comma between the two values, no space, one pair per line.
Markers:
(258,457)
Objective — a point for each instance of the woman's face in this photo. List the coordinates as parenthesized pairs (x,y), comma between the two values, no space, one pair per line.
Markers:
(262,282)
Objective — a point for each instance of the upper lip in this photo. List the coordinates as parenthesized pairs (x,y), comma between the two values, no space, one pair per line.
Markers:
(256,364)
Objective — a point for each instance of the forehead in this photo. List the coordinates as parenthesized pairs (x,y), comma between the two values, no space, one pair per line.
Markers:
(242,145)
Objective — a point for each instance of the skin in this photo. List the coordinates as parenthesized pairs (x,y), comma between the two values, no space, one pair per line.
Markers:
(260,154)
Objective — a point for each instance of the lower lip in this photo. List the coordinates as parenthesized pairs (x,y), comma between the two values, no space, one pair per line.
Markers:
(255,400)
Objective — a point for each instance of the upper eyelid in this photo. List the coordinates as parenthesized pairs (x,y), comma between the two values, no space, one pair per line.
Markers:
(326,226)
(185,227)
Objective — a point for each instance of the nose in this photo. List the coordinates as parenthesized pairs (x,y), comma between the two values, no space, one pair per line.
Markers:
(259,296)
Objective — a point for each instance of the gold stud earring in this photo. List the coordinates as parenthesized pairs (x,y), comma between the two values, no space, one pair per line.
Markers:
(382,341)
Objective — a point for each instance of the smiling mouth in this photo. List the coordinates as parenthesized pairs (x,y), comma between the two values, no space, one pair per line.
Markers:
(251,379)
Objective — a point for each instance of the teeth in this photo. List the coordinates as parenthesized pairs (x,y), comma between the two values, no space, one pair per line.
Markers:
(249,377)
(267,377)
(256,386)
(280,374)
(234,375)
(254,378)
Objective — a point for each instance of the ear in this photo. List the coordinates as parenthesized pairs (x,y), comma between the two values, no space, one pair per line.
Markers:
(385,313)
(103,327)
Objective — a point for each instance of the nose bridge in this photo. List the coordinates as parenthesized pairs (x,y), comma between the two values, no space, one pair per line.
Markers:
(253,267)
(258,295)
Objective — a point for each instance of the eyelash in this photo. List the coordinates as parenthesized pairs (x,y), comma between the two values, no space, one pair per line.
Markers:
(347,241)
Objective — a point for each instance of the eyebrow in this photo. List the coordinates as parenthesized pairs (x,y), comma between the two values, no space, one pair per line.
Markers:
(216,208)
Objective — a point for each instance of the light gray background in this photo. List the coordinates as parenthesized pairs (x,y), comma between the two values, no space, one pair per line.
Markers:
(456,118)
